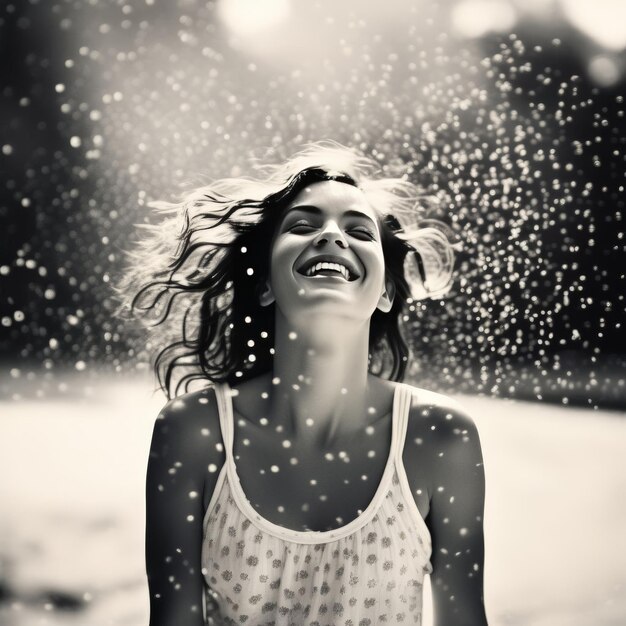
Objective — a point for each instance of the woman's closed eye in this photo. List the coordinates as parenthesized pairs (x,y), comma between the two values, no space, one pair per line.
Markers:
(362,233)
(301,227)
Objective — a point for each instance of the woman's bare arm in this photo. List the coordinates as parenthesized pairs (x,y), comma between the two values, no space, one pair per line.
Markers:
(183,445)
(443,454)
(456,522)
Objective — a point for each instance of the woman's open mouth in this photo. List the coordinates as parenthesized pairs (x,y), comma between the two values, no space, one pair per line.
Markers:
(328,269)
(325,269)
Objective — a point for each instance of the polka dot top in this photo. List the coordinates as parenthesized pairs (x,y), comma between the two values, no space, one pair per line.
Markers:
(365,573)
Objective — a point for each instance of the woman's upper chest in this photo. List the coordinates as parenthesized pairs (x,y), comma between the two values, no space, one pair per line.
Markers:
(298,484)
(303,486)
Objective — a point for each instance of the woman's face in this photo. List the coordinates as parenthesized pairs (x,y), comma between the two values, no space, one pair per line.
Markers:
(327,254)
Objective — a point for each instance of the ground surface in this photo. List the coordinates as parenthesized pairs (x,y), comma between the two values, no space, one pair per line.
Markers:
(71,520)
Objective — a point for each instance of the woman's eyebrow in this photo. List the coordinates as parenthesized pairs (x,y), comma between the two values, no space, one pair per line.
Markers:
(311,208)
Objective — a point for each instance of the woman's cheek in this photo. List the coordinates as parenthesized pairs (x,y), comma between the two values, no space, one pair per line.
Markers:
(282,273)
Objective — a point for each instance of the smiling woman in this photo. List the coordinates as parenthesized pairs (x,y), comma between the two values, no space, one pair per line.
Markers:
(304,483)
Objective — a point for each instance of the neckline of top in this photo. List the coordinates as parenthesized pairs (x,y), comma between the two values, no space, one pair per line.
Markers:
(311,536)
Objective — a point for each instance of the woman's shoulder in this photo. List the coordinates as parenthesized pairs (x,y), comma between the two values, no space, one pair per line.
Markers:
(439,415)
(191,407)
(442,435)
(189,422)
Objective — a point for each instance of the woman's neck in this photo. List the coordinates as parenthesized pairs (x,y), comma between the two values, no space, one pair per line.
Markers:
(321,383)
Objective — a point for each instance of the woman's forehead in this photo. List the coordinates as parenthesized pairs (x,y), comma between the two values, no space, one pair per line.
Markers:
(333,197)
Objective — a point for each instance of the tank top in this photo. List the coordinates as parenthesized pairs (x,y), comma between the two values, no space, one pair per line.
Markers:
(365,573)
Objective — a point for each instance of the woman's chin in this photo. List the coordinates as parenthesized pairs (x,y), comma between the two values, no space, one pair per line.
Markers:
(327,304)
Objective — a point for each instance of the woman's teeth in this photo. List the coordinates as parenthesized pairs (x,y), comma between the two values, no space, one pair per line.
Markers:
(335,267)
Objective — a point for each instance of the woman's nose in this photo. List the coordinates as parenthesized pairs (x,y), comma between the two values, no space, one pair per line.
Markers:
(331,232)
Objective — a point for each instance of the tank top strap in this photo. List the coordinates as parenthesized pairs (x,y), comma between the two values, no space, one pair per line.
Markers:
(401,415)
(224,409)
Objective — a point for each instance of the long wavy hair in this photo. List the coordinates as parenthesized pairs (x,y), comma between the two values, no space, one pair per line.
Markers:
(195,278)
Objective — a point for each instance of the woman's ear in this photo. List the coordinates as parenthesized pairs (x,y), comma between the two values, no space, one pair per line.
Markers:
(386,299)
(266,295)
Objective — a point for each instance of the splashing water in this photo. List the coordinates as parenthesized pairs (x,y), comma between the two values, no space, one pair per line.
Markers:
(112,106)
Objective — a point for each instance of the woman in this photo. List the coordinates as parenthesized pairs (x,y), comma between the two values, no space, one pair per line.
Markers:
(307,485)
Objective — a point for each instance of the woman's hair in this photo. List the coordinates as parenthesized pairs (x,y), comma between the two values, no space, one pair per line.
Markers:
(196,277)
